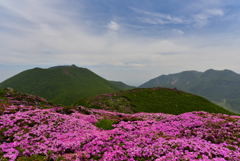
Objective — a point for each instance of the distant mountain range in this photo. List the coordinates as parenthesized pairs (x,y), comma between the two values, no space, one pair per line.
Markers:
(220,87)
(68,84)
(61,84)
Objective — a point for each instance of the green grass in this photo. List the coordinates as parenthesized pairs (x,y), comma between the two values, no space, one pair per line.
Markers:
(105,124)
(161,100)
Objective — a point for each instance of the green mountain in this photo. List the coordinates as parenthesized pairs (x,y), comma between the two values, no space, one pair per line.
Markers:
(152,100)
(220,87)
(123,85)
(61,84)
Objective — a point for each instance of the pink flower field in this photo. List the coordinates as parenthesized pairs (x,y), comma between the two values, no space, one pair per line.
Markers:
(28,131)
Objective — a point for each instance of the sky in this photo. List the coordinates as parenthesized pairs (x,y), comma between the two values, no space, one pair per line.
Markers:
(131,41)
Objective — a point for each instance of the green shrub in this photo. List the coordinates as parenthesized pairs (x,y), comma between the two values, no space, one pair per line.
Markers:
(105,124)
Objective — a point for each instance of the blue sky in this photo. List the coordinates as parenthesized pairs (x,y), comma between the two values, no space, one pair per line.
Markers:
(124,40)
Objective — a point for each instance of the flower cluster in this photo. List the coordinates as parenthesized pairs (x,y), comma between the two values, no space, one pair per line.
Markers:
(27,130)
(189,136)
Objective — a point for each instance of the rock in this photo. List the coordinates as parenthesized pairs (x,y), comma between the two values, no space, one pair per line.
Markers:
(3,138)
(9,89)
(119,115)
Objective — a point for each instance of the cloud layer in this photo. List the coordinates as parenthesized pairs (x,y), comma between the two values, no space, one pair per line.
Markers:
(124,42)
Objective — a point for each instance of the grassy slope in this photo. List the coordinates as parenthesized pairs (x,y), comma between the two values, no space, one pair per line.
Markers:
(153,100)
(123,85)
(64,85)
(221,87)
(106,124)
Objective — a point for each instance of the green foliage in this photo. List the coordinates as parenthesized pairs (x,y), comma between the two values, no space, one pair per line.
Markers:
(158,100)
(2,94)
(33,158)
(60,85)
(231,148)
(39,157)
(105,124)
(31,101)
(3,159)
(67,110)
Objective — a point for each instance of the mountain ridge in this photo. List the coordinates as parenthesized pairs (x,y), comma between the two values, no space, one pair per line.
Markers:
(123,85)
(151,100)
(219,86)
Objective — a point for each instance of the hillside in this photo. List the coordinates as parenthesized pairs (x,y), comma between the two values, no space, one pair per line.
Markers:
(60,85)
(123,85)
(31,128)
(152,100)
(220,87)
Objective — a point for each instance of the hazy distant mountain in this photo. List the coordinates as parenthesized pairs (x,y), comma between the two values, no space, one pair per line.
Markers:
(221,87)
(61,84)
(123,85)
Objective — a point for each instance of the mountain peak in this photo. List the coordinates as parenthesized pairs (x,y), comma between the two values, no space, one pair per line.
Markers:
(64,66)
(209,70)
(60,84)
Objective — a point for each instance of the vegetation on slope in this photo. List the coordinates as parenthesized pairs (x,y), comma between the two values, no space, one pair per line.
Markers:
(123,85)
(12,102)
(33,129)
(152,100)
(61,85)
(220,87)
(10,97)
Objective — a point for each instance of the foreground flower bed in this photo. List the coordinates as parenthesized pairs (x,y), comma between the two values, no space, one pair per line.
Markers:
(189,136)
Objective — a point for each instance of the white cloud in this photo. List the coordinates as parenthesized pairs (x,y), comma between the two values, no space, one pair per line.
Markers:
(180,32)
(148,20)
(138,65)
(113,26)
(202,19)
(45,36)
(198,20)
(215,12)
(158,18)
